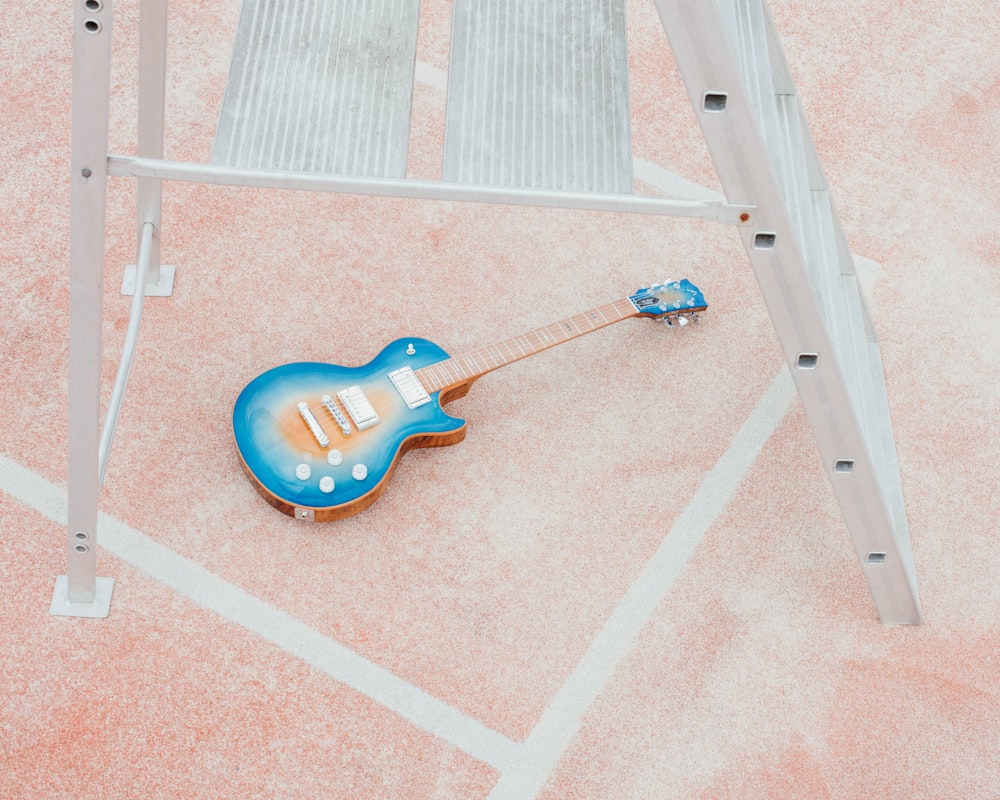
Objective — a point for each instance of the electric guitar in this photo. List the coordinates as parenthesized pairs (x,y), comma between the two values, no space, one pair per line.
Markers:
(320,441)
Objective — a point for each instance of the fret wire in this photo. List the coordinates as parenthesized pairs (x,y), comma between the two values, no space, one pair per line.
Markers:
(439,373)
(446,376)
(430,384)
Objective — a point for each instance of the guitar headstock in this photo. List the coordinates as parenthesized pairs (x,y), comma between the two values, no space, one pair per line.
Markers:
(674,302)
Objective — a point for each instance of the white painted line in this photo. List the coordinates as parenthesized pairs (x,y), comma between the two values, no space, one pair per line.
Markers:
(561,720)
(233,603)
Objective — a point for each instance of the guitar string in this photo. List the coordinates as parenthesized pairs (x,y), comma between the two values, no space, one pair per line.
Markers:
(457,370)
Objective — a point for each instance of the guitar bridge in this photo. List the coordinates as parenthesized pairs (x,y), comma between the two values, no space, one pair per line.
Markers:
(313,424)
(337,414)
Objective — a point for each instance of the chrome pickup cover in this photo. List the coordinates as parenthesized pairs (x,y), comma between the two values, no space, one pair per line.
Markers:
(409,387)
(358,407)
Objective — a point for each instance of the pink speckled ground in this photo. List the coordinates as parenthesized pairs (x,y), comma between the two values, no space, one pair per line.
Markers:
(484,576)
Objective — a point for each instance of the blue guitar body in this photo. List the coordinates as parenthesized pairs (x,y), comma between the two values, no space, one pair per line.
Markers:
(275,442)
(320,442)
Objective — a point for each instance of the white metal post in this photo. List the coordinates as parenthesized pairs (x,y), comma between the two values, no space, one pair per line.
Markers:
(149,191)
(80,592)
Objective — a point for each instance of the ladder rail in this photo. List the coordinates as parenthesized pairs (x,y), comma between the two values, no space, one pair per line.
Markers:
(77,592)
(758,140)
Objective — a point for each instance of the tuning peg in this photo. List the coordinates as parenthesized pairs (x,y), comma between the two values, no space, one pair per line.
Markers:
(678,321)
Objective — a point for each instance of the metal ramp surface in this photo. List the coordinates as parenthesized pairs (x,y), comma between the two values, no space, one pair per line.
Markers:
(537,94)
(320,86)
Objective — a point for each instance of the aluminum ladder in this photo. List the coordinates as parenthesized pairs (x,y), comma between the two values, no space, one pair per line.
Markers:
(522,128)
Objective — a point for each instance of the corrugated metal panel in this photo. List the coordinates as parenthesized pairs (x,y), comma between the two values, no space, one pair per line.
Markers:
(320,86)
(538,95)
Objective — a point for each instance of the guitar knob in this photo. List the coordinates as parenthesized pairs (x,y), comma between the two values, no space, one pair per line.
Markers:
(359,472)
(334,457)
(303,471)
(326,484)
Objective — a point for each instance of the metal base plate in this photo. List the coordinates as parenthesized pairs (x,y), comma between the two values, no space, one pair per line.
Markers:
(164,287)
(99,609)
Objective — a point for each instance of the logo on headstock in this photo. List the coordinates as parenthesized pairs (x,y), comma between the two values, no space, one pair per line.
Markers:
(671,298)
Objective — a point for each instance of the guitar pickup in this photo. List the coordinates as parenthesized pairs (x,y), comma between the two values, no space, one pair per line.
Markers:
(410,387)
(359,407)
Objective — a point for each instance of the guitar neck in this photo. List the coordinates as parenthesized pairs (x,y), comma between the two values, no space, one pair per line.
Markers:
(460,370)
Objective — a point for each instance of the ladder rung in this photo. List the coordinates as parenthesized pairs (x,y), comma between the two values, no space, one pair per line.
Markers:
(538,95)
(320,86)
